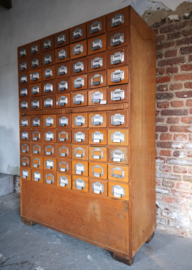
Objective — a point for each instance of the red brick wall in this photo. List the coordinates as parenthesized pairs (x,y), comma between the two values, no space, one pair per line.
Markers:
(174,126)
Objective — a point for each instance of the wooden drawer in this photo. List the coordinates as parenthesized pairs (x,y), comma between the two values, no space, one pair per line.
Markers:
(79,82)
(37,121)
(35,75)
(98,187)
(24,104)
(25,122)
(64,165)
(47,43)
(97,44)
(118,136)
(98,154)
(118,57)
(118,155)
(98,96)
(37,149)
(64,180)
(62,54)
(117,119)
(25,148)
(80,167)
(24,91)
(118,94)
(49,121)
(97,62)
(50,178)
(78,33)
(63,100)
(97,136)
(97,79)
(25,161)
(49,135)
(25,173)
(97,119)
(48,58)
(80,136)
(36,103)
(48,73)
(37,162)
(35,48)
(37,175)
(35,89)
(63,121)
(50,164)
(50,150)
(78,50)
(25,135)
(63,150)
(118,173)
(63,70)
(79,99)
(96,27)
(117,39)
(80,183)
(98,170)
(62,38)
(48,87)
(117,19)
(79,66)
(79,120)
(80,152)
(23,65)
(64,136)
(117,76)
(35,62)
(118,190)
(63,85)
(23,51)
(37,135)
(48,102)
(23,78)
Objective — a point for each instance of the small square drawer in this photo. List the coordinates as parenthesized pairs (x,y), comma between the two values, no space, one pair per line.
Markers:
(37,121)
(62,38)
(118,94)
(48,58)
(79,99)
(79,120)
(118,190)
(37,175)
(64,180)
(96,27)
(117,76)
(78,33)
(98,154)
(37,135)
(23,51)
(25,173)
(97,136)
(36,103)
(79,82)
(98,187)
(64,136)
(63,121)
(117,58)
(80,136)
(25,135)
(79,66)
(48,73)
(97,62)
(118,173)
(62,54)
(63,150)
(80,152)
(63,85)
(37,162)
(50,150)
(117,19)
(97,119)
(48,102)
(117,39)
(49,135)
(50,163)
(24,91)
(97,79)
(35,48)
(25,161)
(35,75)
(25,148)
(80,183)
(118,155)
(97,44)
(24,104)
(49,121)
(117,119)
(80,167)
(23,65)
(98,96)
(48,87)
(35,89)
(23,78)
(63,100)
(118,136)
(47,43)
(78,49)
(25,122)
(63,70)
(64,165)
(35,62)
(37,149)
(50,178)
(98,170)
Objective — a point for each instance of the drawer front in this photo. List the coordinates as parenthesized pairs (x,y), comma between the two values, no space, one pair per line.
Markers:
(37,135)
(25,173)
(49,121)
(117,76)
(25,122)
(48,73)
(117,119)
(48,102)
(118,155)
(97,44)
(25,148)
(64,180)
(35,48)
(80,152)
(35,75)
(79,66)
(24,91)
(63,85)
(47,43)
(49,150)
(23,65)
(64,136)
(35,90)
(98,187)
(37,175)
(37,162)
(23,78)
(80,183)
(36,103)
(24,104)
(49,135)
(78,33)
(63,121)
(35,62)
(25,161)
(78,50)
(79,82)
(64,165)
(63,70)
(118,94)
(63,150)
(37,121)
(80,168)
(25,135)
(98,136)
(23,51)
(117,58)
(79,120)
(117,19)
(80,136)
(98,96)
(117,39)
(79,99)
(118,137)
(62,54)
(50,164)
(97,79)
(48,87)
(97,119)
(48,58)
(118,173)
(118,190)
(98,170)
(96,27)
(63,100)
(98,154)
(97,62)
(37,149)
(50,178)
(62,38)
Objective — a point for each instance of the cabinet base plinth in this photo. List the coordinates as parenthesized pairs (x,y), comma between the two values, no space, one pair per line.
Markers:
(27,222)
(150,238)
(123,259)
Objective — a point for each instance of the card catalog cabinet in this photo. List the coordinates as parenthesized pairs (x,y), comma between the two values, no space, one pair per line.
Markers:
(87,132)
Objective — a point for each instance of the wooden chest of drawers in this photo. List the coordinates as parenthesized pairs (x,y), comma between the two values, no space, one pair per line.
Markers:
(87,132)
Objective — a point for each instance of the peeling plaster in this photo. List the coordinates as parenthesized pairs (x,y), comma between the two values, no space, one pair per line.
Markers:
(170,4)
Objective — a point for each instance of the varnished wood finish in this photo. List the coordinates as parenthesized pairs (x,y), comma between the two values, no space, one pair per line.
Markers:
(112,36)
(92,117)
(28,177)
(46,55)
(34,53)
(84,131)
(26,120)
(63,65)
(119,148)
(25,148)
(38,119)
(63,136)
(37,135)
(23,83)
(25,138)
(95,152)
(38,85)
(125,57)
(23,65)
(25,55)
(124,88)
(102,131)
(80,152)
(24,87)
(85,179)
(53,131)
(118,173)
(122,142)
(61,175)
(84,103)
(36,100)
(101,182)
(125,186)
(65,116)
(93,30)
(98,170)
(75,38)
(123,259)
(37,163)
(76,164)
(45,85)
(76,123)
(52,76)
(100,91)
(50,175)
(81,54)
(61,80)
(35,58)
(64,165)
(37,148)
(25,161)
(111,119)
(65,96)
(54,163)
(92,41)
(49,150)
(95,57)
(122,81)
(33,171)
(65,42)
(63,150)
(75,64)
(83,87)
(97,77)
(32,73)
(46,102)
(49,121)
(49,38)
(125,12)
(59,51)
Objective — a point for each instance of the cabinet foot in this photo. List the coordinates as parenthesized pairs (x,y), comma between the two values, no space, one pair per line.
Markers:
(27,222)
(123,259)
(150,238)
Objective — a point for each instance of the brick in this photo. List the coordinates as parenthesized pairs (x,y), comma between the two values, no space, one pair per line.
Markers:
(180,137)
(179,169)
(176,86)
(190,111)
(170,53)
(161,129)
(171,61)
(187,32)
(163,190)
(162,88)
(184,41)
(189,103)
(160,38)
(158,182)
(160,160)
(159,55)
(180,154)
(174,35)
(180,129)
(168,176)
(188,145)
(174,112)
(186,120)
(177,103)
(160,71)
(163,79)
(190,137)
(158,24)
(157,113)
(186,50)
(156,137)
(173,120)
(186,67)
(172,145)
(167,199)
(165,45)
(162,104)
(166,136)
(190,170)
(190,58)
(166,153)
(171,70)
(184,94)
(182,201)
(189,154)
(156,31)
(182,194)
(172,27)
(165,168)
(164,95)
(159,120)
(183,77)
(182,185)
(184,162)
(167,183)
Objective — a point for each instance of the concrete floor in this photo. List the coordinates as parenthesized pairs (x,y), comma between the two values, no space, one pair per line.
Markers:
(29,248)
